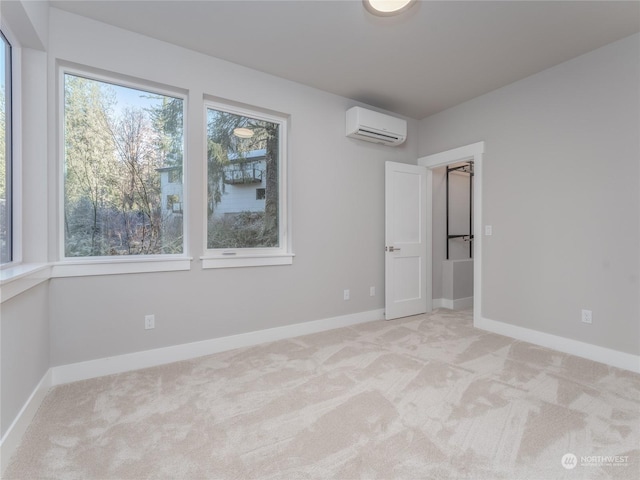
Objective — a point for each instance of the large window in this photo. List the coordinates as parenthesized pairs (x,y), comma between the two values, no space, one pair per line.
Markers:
(123,160)
(246,204)
(6,232)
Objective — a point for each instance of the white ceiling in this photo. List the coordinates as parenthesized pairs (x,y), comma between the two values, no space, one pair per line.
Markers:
(436,55)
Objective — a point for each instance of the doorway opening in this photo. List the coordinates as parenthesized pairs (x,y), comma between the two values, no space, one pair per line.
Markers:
(456,281)
(453,236)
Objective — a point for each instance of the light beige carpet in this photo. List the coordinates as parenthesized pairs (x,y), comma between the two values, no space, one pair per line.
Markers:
(426,397)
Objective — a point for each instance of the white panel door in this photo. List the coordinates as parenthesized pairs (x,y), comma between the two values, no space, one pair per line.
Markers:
(405,240)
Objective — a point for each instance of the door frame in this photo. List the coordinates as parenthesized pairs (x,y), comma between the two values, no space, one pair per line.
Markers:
(475,152)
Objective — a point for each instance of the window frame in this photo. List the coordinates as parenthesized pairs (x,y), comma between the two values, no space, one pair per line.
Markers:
(116,264)
(251,257)
(19,276)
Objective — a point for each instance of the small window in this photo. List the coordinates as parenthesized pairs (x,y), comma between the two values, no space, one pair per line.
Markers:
(175,175)
(245,179)
(174,204)
(123,155)
(6,220)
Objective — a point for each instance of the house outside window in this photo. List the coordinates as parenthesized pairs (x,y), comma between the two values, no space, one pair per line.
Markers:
(171,190)
(6,210)
(122,147)
(246,183)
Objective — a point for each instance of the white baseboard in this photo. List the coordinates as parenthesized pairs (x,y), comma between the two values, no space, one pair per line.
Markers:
(458,304)
(596,353)
(159,356)
(13,435)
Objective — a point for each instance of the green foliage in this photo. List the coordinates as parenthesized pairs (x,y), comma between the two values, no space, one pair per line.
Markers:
(167,120)
(217,160)
(243,230)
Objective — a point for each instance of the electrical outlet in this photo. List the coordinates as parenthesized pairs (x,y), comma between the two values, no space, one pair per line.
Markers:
(346,295)
(372,291)
(587,316)
(488,230)
(149,322)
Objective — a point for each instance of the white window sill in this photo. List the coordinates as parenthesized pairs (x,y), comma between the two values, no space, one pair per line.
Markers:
(258,260)
(17,279)
(84,267)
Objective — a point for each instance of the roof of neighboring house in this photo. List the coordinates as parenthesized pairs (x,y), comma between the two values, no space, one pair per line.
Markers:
(251,155)
(167,169)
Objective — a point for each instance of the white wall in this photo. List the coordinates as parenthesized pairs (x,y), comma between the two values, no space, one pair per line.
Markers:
(338,234)
(561,190)
(25,349)
(457,280)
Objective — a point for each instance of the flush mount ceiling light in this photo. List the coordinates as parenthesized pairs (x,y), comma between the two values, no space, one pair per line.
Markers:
(241,132)
(387,8)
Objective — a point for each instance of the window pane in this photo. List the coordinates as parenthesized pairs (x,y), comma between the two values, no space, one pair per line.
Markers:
(123,157)
(243,190)
(5,151)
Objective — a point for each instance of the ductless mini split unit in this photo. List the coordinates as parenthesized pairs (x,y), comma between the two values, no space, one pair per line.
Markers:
(375,127)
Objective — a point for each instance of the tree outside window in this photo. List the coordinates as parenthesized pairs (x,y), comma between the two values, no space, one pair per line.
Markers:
(120,145)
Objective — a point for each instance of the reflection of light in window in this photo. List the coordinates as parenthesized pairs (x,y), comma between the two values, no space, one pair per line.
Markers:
(243,132)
